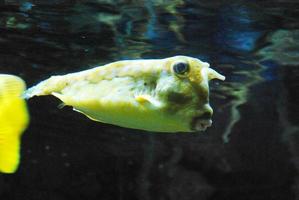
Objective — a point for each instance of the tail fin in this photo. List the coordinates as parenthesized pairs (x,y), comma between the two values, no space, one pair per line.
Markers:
(14,119)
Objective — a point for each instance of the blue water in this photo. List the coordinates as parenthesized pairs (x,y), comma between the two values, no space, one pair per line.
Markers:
(250,152)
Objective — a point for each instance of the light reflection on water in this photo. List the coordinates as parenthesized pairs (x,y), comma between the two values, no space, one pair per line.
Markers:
(255,44)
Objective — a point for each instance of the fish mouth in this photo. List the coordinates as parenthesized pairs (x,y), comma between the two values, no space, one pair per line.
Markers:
(200,123)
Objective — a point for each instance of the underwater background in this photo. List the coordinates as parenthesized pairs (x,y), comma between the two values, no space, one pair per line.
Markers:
(250,152)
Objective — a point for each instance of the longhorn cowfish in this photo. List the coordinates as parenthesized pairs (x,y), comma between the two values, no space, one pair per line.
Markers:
(159,95)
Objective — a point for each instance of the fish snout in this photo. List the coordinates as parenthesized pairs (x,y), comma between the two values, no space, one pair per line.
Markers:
(203,121)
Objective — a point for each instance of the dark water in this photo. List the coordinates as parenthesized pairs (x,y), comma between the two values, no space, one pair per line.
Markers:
(252,150)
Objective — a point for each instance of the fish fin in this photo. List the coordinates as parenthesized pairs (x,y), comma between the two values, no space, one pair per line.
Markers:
(61,105)
(88,116)
(65,99)
(61,97)
(14,119)
(144,98)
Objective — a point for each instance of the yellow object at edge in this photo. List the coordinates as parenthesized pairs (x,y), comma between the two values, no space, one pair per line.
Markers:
(14,119)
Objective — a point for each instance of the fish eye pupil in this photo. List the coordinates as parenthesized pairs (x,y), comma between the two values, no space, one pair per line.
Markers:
(180,68)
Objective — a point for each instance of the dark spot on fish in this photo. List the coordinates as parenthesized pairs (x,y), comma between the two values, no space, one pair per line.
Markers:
(206,115)
(150,84)
(203,96)
(178,98)
(202,93)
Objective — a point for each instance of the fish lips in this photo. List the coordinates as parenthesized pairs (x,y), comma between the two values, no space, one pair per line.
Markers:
(200,123)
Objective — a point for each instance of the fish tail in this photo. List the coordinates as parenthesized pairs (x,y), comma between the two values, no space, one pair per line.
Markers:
(46,87)
(14,119)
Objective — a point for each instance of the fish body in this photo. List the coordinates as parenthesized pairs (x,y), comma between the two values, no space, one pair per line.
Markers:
(161,95)
(13,121)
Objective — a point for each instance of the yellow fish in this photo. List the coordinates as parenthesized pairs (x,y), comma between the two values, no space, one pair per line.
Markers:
(160,95)
(13,121)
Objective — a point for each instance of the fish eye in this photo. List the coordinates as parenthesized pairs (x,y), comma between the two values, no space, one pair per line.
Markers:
(181,68)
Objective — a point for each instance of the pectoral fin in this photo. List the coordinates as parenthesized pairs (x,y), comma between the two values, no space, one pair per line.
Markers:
(144,98)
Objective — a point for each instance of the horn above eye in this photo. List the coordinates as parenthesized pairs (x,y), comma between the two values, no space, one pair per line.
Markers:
(212,74)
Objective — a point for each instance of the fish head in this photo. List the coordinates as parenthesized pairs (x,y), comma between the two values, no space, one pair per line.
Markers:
(184,87)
